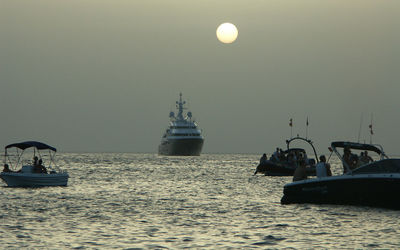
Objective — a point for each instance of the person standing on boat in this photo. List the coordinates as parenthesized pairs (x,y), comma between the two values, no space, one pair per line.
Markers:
(275,156)
(323,168)
(263,161)
(300,158)
(301,172)
(282,157)
(292,158)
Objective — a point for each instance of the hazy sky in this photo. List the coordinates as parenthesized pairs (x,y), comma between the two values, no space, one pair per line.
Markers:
(102,76)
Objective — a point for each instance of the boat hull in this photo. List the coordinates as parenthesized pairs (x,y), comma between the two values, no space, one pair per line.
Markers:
(184,147)
(374,190)
(273,169)
(34,179)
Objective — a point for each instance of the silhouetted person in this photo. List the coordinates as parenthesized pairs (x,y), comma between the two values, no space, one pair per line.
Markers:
(39,168)
(323,169)
(301,172)
(367,157)
(6,169)
(263,161)
(35,161)
(350,159)
(276,155)
(292,160)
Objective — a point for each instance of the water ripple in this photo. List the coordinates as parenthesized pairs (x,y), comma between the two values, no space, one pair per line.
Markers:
(146,201)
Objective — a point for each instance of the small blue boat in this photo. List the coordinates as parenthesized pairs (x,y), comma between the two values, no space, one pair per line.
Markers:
(32,175)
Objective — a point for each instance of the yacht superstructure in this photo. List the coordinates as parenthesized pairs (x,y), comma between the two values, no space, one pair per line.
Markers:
(182,137)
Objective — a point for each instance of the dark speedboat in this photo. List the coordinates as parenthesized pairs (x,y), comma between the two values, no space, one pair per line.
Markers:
(366,184)
(285,164)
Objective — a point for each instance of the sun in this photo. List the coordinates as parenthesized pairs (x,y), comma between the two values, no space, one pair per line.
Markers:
(227,33)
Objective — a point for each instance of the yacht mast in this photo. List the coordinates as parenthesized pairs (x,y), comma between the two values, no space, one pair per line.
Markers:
(179,106)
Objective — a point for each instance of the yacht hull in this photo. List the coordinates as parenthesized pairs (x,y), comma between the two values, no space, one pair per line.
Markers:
(375,190)
(184,147)
(34,179)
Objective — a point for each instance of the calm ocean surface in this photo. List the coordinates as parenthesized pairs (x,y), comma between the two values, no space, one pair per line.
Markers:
(149,201)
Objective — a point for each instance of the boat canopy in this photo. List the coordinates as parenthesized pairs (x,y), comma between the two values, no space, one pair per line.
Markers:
(356,145)
(30,144)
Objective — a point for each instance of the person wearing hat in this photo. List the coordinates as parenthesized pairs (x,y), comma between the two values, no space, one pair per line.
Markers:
(323,168)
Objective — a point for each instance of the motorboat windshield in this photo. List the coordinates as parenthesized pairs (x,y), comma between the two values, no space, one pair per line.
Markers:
(352,161)
(359,146)
(385,166)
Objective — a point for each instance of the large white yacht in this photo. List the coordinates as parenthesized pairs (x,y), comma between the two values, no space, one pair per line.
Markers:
(182,137)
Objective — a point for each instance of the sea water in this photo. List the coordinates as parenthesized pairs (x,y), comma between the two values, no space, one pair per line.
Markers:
(134,201)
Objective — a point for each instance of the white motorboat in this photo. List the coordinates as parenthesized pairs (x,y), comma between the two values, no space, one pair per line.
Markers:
(18,174)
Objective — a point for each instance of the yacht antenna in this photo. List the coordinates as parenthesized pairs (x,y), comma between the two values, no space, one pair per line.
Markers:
(371,132)
(179,106)
(291,128)
(359,130)
(307,128)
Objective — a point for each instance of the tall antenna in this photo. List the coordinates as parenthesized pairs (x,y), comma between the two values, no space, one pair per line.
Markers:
(307,128)
(359,130)
(371,132)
